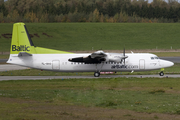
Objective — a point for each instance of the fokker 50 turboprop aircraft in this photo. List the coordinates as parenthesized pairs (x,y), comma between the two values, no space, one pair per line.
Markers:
(24,53)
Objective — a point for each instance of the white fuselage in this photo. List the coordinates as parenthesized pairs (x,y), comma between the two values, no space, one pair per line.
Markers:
(59,62)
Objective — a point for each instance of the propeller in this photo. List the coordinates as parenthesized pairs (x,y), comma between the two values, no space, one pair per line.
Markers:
(124,56)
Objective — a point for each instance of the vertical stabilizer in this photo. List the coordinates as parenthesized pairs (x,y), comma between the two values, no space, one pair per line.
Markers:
(21,41)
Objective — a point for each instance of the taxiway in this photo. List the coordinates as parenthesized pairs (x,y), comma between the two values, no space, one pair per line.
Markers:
(3,78)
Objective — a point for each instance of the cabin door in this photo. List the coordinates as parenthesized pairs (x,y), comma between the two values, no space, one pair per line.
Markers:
(141,64)
(55,65)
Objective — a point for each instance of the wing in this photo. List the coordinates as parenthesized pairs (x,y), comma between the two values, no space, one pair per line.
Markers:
(96,57)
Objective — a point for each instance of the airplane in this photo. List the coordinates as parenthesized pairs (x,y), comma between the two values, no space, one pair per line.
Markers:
(24,53)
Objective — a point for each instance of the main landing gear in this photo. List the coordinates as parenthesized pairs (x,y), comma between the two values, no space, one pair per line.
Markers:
(96,74)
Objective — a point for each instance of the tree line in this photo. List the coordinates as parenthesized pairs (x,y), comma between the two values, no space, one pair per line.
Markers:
(89,11)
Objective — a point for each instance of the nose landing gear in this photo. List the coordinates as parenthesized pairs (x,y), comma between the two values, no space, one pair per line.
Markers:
(162,72)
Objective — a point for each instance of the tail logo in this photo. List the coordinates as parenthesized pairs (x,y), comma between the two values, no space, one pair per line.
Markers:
(20,48)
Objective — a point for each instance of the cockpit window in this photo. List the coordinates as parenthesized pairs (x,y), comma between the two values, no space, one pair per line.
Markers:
(153,58)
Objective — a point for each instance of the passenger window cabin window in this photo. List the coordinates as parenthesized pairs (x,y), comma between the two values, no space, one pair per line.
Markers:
(152,58)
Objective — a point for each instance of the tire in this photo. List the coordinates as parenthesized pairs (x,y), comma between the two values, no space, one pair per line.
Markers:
(96,74)
(161,74)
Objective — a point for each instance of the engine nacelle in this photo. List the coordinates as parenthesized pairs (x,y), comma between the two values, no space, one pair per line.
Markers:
(114,58)
(87,60)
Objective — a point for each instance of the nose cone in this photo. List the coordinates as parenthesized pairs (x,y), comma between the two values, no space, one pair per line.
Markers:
(165,63)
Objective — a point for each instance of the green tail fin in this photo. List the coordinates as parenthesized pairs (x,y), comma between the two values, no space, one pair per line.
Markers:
(21,41)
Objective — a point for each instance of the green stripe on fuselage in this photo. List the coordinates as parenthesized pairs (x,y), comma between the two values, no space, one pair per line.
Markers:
(40,50)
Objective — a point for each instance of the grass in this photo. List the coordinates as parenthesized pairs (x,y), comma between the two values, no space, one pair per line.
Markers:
(6,56)
(40,99)
(106,36)
(112,98)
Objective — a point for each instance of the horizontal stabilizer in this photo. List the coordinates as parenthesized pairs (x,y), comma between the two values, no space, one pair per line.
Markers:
(24,54)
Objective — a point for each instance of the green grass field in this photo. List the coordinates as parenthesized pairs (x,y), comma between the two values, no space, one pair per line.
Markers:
(106,36)
(4,56)
(112,98)
(91,99)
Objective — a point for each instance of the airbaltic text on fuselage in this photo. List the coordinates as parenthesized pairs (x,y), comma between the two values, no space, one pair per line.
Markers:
(20,48)
(124,67)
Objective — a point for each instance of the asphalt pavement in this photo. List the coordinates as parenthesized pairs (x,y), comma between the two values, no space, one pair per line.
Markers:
(172,59)
(8,67)
(4,78)
(3,60)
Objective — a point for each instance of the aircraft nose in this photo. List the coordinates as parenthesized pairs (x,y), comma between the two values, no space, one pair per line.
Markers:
(166,63)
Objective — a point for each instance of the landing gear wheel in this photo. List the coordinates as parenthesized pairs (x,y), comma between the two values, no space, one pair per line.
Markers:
(96,74)
(161,73)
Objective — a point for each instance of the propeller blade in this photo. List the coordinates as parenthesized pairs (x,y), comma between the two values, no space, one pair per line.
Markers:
(124,56)
(124,52)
